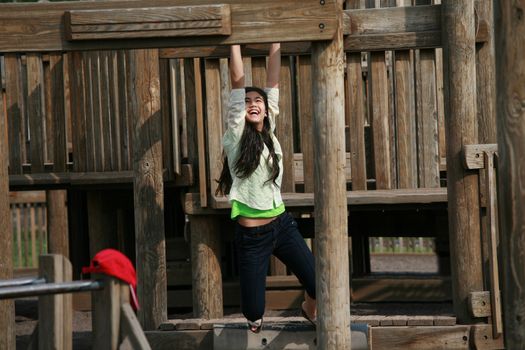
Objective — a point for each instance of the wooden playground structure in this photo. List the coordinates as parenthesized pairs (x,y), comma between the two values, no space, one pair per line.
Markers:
(388,127)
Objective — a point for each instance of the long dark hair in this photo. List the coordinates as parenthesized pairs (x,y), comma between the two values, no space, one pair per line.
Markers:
(251,147)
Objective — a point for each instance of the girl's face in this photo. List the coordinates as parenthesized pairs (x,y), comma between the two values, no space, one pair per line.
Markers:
(255,109)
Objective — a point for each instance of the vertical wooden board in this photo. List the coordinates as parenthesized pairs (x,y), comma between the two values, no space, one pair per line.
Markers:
(378,92)
(191,116)
(35,111)
(440,104)
(167,161)
(90,109)
(97,111)
(48,114)
(201,142)
(51,307)
(148,186)
(284,127)
(125,146)
(305,110)
(7,309)
(106,314)
(14,108)
(259,72)
(175,99)
(405,120)
(183,118)
(78,121)
(213,121)
(225,91)
(427,124)
(247,63)
(114,111)
(57,223)
(105,110)
(355,113)
(18,229)
(57,110)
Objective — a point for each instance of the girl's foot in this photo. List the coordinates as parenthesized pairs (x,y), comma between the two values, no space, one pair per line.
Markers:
(313,320)
(255,326)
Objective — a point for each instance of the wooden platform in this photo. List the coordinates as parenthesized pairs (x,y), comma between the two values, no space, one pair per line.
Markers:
(384,332)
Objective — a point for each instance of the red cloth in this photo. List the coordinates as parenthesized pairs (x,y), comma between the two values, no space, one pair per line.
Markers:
(111,262)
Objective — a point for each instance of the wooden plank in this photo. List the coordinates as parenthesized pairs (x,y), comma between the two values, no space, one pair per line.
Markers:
(481,337)
(284,126)
(15,113)
(7,307)
(35,111)
(173,21)
(167,128)
(305,112)
(67,301)
(213,122)
(90,110)
(331,214)
(188,340)
(51,307)
(460,101)
(148,188)
(259,71)
(47,32)
(405,119)
(106,314)
(190,131)
(57,110)
(473,155)
(175,99)
(105,111)
(379,105)
(57,226)
(206,270)
(480,304)
(130,328)
(420,338)
(125,126)
(114,111)
(356,115)
(510,68)
(427,124)
(201,142)
(97,110)
(78,122)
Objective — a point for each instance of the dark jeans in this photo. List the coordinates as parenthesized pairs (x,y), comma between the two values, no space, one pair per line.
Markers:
(255,245)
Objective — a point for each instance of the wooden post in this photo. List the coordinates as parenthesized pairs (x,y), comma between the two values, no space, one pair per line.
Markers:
(332,282)
(7,308)
(148,187)
(510,73)
(205,267)
(57,229)
(461,128)
(55,311)
(106,314)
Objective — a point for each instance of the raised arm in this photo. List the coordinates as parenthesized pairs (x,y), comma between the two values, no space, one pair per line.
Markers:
(274,66)
(236,67)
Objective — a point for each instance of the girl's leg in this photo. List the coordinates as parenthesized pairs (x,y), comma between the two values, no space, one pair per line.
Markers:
(253,250)
(291,249)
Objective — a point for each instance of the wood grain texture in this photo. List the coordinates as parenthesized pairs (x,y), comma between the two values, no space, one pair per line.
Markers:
(7,307)
(144,102)
(57,226)
(463,192)
(206,269)
(46,31)
(510,73)
(35,111)
(15,113)
(420,338)
(148,22)
(57,113)
(106,314)
(332,276)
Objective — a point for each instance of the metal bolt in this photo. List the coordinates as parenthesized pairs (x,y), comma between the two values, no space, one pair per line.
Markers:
(321,25)
(321,2)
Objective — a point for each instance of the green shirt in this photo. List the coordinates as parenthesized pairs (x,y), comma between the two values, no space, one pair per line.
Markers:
(240,209)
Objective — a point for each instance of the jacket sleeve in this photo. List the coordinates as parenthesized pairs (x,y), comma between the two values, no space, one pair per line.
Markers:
(273,105)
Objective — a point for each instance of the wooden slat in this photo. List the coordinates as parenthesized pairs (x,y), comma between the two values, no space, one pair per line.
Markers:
(90,108)
(35,111)
(259,72)
(213,121)
(284,126)
(176,109)
(105,110)
(305,112)
(427,124)
(420,338)
(15,113)
(97,110)
(77,89)
(114,111)
(148,22)
(167,128)
(405,119)
(47,32)
(57,110)
(355,113)
(201,143)
(126,146)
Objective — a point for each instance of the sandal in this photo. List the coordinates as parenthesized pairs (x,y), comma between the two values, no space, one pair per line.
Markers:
(305,315)
(255,326)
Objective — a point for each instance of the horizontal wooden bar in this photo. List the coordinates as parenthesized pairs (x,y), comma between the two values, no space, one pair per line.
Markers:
(473,155)
(39,27)
(420,338)
(172,21)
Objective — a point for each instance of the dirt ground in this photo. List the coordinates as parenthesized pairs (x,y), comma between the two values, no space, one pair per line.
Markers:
(27,309)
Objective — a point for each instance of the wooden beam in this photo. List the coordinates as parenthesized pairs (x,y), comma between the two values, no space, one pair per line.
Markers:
(461,124)
(420,338)
(7,307)
(130,328)
(332,275)
(57,227)
(479,304)
(172,21)
(474,155)
(43,29)
(148,187)
(510,73)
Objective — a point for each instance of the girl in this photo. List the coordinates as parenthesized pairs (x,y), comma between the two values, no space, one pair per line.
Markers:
(252,175)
